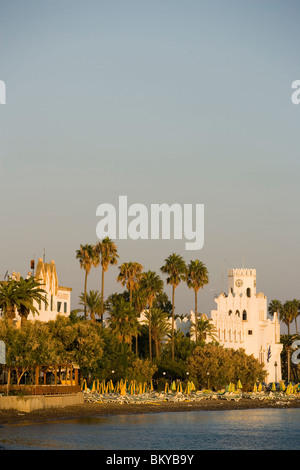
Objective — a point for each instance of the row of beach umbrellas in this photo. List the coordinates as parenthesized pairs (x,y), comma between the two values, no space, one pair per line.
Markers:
(133,387)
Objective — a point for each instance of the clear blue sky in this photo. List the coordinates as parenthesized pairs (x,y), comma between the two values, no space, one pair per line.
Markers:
(162,101)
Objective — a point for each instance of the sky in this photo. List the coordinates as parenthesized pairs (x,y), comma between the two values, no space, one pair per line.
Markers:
(164,101)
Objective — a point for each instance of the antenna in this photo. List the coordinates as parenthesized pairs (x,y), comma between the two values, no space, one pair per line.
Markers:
(44,255)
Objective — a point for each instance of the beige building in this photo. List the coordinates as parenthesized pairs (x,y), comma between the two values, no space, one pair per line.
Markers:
(58,297)
(241,322)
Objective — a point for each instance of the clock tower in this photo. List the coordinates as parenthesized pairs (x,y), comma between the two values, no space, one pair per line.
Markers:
(241,321)
(242,281)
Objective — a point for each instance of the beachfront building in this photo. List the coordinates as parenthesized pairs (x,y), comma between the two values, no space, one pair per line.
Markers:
(241,322)
(58,298)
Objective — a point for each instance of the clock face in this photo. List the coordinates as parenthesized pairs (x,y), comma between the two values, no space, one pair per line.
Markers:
(239,283)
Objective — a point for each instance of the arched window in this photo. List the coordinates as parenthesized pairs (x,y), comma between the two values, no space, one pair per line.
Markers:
(237,313)
(248,292)
(230,312)
(244,315)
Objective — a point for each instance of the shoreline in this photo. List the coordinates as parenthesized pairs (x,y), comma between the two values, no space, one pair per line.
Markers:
(93,410)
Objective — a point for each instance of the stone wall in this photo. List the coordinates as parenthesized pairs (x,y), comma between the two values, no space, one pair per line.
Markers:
(30,403)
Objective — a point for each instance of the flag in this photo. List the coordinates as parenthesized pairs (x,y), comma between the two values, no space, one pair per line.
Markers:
(269,354)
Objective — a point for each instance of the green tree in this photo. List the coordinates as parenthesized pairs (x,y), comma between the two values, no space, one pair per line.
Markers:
(220,366)
(205,329)
(92,302)
(107,255)
(9,299)
(288,313)
(122,320)
(141,370)
(287,341)
(196,278)
(296,310)
(151,285)
(87,259)
(29,291)
(129,276)
(160,327)
(275,306)
(176,270)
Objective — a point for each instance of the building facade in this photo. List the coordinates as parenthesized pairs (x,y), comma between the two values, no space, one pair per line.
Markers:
(58,298)
(241,322)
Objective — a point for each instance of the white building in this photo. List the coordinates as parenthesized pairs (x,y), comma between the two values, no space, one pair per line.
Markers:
(58,297)
(241,322)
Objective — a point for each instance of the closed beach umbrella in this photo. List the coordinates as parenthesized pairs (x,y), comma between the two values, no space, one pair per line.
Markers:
(259,387)
(255,387)
(166,387)
(84,386)
(273,388)
(239,384)
(173,386)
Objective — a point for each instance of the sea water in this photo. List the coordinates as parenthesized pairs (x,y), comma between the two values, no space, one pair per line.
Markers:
(255,429)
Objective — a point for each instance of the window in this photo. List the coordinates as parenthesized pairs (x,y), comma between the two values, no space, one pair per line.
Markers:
(230,312)
(244,315)
(65,307)
(51,303)
(58,306)
(248,292)
(237,313)
(249,332)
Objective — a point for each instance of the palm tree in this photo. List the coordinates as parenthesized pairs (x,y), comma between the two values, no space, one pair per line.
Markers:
(122,320)
(106,252)
(176,270)
(160,327)
(205,329)
(28,291)
(197,278)
(288,313)
(296,312)
(87,259)
(151,285)
(139,302)
(275,306)
(9,299)
(287,341)
(93,303)
(129,275)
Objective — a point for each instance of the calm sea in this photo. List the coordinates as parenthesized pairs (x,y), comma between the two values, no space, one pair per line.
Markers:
(264,429)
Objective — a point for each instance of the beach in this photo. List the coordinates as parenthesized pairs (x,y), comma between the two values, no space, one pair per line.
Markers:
(12,417)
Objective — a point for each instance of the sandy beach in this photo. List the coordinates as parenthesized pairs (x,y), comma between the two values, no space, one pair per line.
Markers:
(12,417)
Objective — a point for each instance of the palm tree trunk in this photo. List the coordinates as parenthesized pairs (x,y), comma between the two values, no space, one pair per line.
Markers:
(196,314)
(289,362)
(102,296)
(150,334)
(156,347)
(85,286)
(173,305)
